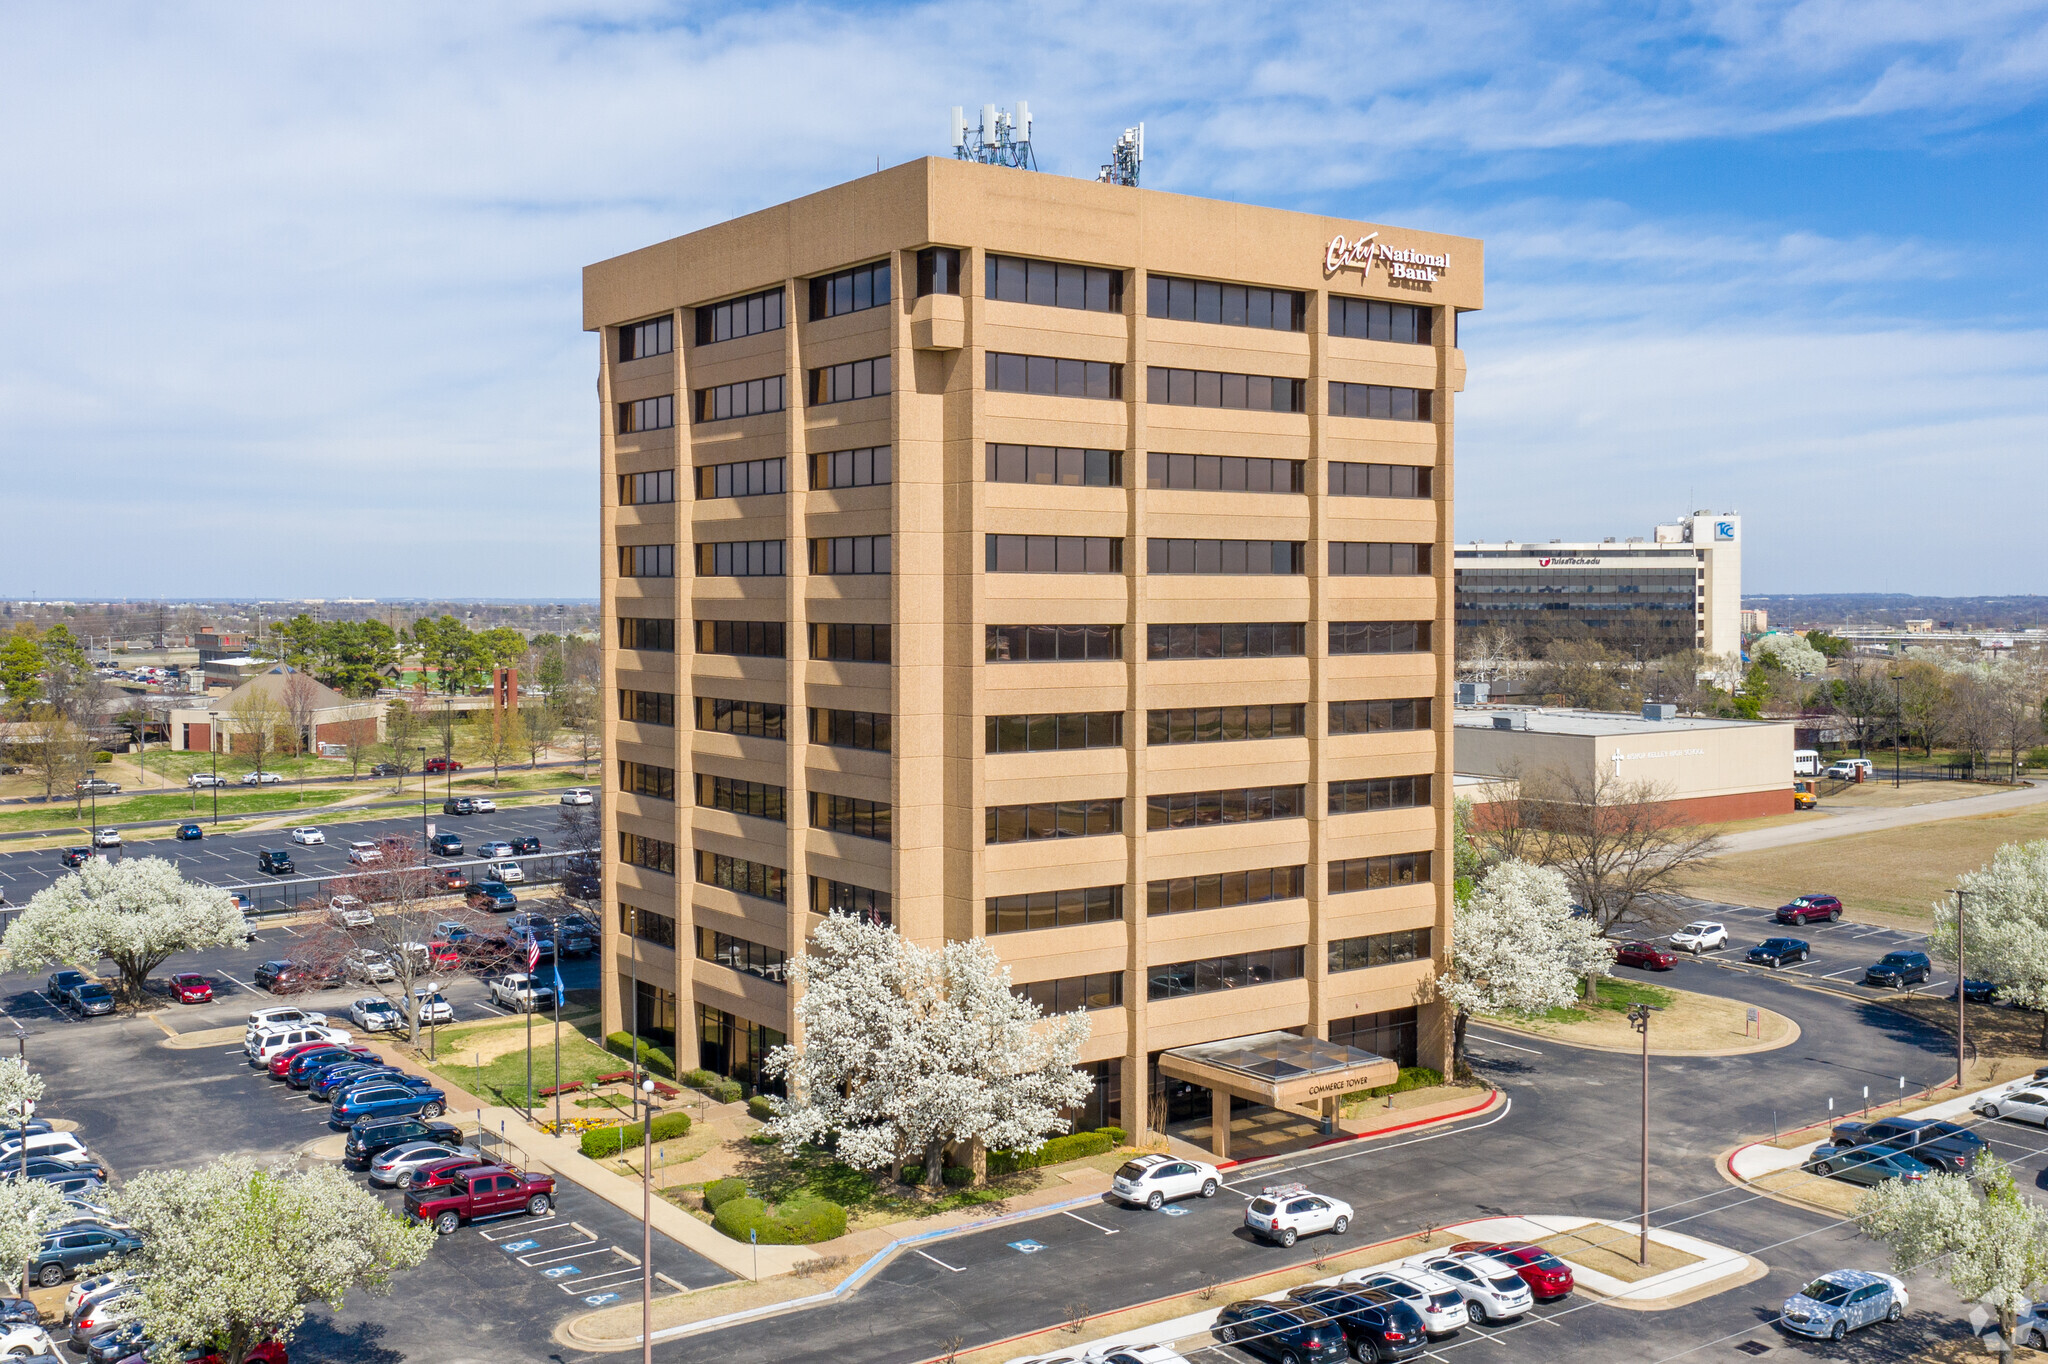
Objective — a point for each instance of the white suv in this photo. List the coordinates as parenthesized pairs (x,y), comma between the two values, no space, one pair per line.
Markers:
(1151,1180)
(1283,1212)
(350,912)
(579,796)
(1492,1291)
(1703,936)
(1437,1299)
(265,1019)
(362,853)
(269,1043)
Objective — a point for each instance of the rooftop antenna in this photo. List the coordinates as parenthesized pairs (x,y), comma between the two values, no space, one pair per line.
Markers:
(1125,158)
(1000,139)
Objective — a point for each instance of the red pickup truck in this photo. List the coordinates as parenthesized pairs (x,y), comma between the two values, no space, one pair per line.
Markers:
(485,1192)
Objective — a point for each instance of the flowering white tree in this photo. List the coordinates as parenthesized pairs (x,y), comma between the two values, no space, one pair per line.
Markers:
(20,1087)
(906,1049)
(1992,1248)
(28,1208)
(233,1253)
(1515,948)
(2005,928)
(1796,656)
(137,912)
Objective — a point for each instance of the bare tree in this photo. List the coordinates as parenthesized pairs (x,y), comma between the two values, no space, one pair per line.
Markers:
(256,721)
(301,697)
(401,736)
(2012,704)
(542,723)
(580,827)
(359,739)
(579,716)
(1587,675)
(43,740)
(500,739)
(1973,714)
(444,726)
(1489,652)
(1924,698)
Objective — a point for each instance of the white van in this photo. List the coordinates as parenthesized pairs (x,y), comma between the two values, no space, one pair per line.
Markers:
(1805,762)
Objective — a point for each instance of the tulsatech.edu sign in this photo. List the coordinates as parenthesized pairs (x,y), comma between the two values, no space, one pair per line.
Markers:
(1400,262)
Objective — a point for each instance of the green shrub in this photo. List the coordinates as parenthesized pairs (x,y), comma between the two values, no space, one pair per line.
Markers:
(102,757)
(723,1090)
(800,1222)
(609,1141)
(697,1079)
(1117,1135)
(761,1108)
(1412,1077)
(959,1176)
(720,1192)
(762,1138)
(738,1216)
(1073,1146)
(659,1060)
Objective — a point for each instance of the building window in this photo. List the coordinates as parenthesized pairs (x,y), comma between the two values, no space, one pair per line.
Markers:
(642,340)
(1013,279)
(1208,388)
(1389,1033)
(654,1013)
(1379,793)
(647,414)
(850,554)
(647,707)
(1052,554)
(851,815)
(1275,639)
(737,954)
(642,779)
(843,897)
(938,270)
(1225,724)
(1223,556)
(1376,717)
(646,925)
(747,478)
(1378,873)
(1377,400)
(749,398)
(1048,733)
(1376,559)
(734,318)
(744,638)
(740,559)
(850,729)
(1379,480)
(1379,636)
(647,561)
(1226,973)
(1224,473)
(1380,949)
(753,798)
(757,879)
(639,490)
(1369,320)
(1232,305)
(1049,464)
(855,379)
(863,468)
(737,1048)
(1052,643)
(850,643)
(638,850)
(1054,377)
(1195,809)
(655,636)
(1052,909)
(1054,819)
(1224,890)
(850,291)
(755,719)
(1104,991)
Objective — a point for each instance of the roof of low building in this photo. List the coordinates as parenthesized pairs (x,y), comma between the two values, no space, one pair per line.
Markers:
(1593,723)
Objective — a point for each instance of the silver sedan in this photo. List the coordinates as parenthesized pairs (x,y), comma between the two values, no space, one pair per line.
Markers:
(397,1166)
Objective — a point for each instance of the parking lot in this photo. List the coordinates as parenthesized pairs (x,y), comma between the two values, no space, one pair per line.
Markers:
(1840,951)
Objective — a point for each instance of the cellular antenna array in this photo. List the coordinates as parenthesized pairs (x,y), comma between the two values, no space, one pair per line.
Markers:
(1001,139)
(1125,158)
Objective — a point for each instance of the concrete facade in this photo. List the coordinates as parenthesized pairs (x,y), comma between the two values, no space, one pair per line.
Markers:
(936,871)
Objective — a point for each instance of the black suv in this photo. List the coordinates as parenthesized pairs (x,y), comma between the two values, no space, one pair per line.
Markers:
(1898,970)
(387,770)
(276,861)
(1379,1325)
(526,843)
(368,1138)
(1289,1331)
(1943,1145)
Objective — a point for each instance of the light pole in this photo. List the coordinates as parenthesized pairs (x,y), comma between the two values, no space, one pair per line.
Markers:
(213,742)
(1639,1019)
(424,850)
(1962,981)
(1898,723)
(646,1220)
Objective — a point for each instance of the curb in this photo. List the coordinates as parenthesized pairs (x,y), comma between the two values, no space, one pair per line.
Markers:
(1792,1036)
(1493,1097)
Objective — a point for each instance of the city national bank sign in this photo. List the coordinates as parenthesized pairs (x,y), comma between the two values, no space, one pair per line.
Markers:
(1400,262)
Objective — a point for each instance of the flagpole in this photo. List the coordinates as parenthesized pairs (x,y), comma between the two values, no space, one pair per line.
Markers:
(558,1039)
(532,961)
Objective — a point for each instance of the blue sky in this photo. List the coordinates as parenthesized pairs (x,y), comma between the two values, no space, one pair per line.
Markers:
(288,295)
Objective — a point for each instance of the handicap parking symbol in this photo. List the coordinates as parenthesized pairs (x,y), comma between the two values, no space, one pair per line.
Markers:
(600,1299)
(560,1272)
(514,1247)
(1027,1247)
(1174,1212)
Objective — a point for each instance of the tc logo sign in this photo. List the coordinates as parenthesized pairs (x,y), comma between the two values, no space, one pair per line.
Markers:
(1724,530)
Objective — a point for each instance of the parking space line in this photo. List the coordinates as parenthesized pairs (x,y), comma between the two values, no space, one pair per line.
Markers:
(1531,1050)
(1106,1231)
(556,1255)
(1843,972)
(957,1269)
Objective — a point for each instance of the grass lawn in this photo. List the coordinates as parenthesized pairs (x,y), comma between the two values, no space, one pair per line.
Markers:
(1616,994)
(1896,873)
(869,1199)
(1604,1250)
(128,809)
(501,1078)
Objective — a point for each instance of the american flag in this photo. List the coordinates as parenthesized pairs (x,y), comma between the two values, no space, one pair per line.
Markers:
(532,953)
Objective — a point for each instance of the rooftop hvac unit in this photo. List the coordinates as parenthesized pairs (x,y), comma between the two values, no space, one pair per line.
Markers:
(1514,719)
(1474,693)
(1659,711)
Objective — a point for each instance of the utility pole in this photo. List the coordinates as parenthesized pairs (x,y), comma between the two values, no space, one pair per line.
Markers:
(646,1218)
(1898,723)
(1639,1019)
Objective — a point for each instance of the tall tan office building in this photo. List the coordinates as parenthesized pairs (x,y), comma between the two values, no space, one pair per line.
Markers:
(1005,555)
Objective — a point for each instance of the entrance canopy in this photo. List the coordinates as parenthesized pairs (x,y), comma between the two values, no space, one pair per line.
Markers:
(1279,1069)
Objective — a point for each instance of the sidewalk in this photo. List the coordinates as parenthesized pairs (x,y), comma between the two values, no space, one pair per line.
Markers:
(1870,821)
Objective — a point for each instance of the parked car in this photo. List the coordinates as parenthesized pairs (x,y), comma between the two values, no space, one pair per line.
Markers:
(1977,992)
(442,765)
(511,873)
(1492,1291)
(1284,1212)
(491,895)
(381,1099)
(581,885)
(1291,1332)
(368,1138)
(59,1146)
(1804,800)
(1548,1277)
(115,1309)
(245,904)
(434,1008)
(279,1015)
(493,847)
(287,977)
(279,1064)
(368,965)
(1806,909)
(350,912)
(96,786)
(90,1000)
(1151,1180)
(539,945)
(520,992)
(60,981)
(308,836)
(1776,952)
(446,845)
(483,805)
(118,1343)
(578,796)
(76,857)
(199,781)
(443,1173)
(1866,1164)
(573,939)
(1899,969)
(267,1045)
(387,770)
(88,1290)
(1433,1297)
(261,779)
(1841,1301)
(190,833)
(1851,769)
(396,1167)
(1647,956)
(1379,1326)
(1944,1145)
(275,861)
(106,838)
(484,1192)
(1702,935)
(189,987)
(373,1013)
(526,843)
(363,853)
(458,805)
(2028,1104)
(453,878)
(25,1339)
(65,1251)
(304,1065)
